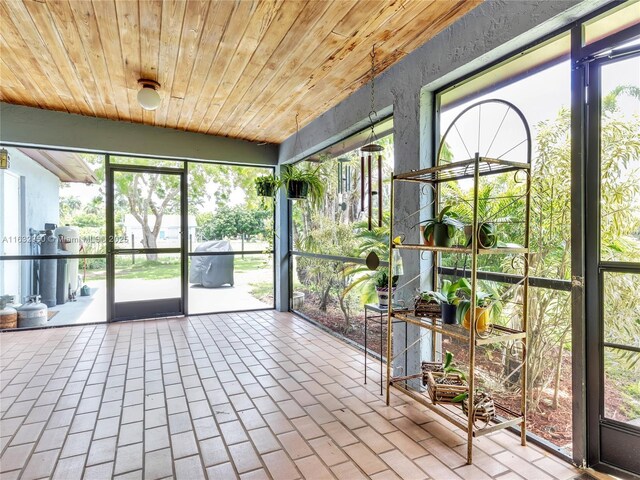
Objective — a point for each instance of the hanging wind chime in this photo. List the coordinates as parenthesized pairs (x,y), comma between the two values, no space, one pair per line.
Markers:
(344,181)
(366,164)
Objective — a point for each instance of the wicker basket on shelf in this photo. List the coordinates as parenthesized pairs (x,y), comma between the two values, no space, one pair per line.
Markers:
(424,308)
(430,367)
(485,409)
(443,388)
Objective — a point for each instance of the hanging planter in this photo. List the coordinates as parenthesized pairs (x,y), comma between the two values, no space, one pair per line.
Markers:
(267,186)
(302,183)
(297,189)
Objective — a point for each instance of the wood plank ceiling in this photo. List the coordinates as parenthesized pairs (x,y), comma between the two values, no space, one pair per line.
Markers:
(241,68)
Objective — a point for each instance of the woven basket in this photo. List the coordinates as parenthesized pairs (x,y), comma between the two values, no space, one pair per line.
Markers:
(430,367)
(485,409)
(422,308)
(445,393)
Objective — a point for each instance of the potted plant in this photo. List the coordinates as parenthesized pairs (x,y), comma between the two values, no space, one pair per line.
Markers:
(448,291)
(445,386)
(381,280)
(441,230)
(487,235)
(301,184)
(442,303)
(484,408)
(267,185)
(428,304)
(487,307)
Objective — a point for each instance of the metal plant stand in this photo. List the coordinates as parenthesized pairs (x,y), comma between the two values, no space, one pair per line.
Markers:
(504,336)
(379,313)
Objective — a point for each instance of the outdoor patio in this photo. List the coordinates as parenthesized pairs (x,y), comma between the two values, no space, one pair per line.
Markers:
(249,395)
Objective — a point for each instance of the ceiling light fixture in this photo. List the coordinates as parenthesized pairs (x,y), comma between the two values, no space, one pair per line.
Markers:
(148,96)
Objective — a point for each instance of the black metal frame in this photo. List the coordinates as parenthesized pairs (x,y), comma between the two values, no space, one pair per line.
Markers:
(606,439)
(586,293)
(136,309)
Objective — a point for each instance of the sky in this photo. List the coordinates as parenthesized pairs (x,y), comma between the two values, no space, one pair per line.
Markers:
(539,96)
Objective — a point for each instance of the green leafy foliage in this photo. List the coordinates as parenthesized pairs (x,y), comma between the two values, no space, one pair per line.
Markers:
(449,368)
(232,222)
(312,178)
(445,217)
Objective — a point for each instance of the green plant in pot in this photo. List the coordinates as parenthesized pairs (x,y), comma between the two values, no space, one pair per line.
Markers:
(301,183)
(487,235)
(441,229)
(448,291)
(487,306)
(381,280)
(267,185)
(448,367)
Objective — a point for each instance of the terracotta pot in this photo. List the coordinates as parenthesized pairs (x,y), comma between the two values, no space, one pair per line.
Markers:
(483,319)
(428,242)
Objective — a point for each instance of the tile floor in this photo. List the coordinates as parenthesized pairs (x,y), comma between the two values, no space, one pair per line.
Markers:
(249,395)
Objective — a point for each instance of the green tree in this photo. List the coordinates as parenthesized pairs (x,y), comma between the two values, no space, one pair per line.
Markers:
(232,222)
(550,236)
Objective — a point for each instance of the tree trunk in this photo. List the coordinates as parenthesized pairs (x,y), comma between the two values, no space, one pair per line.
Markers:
(324,299)
(345,313)
(149,241)
(558,371)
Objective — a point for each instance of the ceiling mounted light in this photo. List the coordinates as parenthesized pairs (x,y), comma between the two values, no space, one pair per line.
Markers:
(148,97)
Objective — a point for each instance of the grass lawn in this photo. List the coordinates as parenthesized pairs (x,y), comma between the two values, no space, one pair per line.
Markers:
(262,290)
(170,268)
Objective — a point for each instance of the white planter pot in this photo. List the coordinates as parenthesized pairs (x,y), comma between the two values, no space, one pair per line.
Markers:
(384,297)
(297,300)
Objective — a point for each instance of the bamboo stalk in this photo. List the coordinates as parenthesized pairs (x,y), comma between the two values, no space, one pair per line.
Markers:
(472,326)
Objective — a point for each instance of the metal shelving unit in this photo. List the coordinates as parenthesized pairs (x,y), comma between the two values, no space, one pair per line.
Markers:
(474,168)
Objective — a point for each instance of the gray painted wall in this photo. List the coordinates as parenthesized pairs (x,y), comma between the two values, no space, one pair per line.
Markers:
(46,128)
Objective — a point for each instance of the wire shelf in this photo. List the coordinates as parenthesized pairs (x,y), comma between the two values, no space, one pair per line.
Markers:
(461,170)
(497,333)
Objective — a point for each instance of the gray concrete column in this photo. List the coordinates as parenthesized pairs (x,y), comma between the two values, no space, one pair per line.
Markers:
(407,205)
(281,245)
